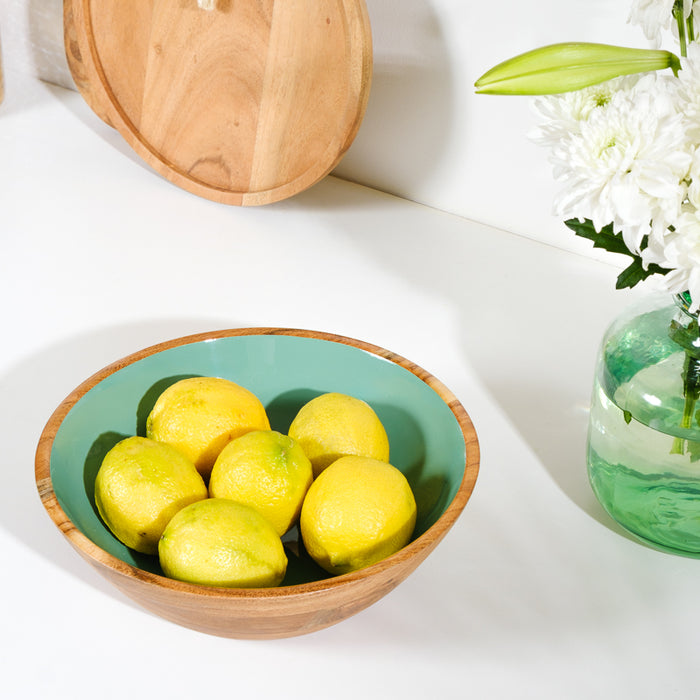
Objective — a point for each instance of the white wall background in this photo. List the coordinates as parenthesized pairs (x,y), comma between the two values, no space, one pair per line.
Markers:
(426,136)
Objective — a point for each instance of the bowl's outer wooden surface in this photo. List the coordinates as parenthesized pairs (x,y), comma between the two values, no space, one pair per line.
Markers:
(259,613)
(247,104)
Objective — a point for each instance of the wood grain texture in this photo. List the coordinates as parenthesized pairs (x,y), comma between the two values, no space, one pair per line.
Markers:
(76,65)
(259,613)
(245,104)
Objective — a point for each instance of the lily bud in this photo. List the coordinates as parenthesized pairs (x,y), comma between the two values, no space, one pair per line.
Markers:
(558,68)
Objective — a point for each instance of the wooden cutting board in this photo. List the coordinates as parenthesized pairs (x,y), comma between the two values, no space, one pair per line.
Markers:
(246,104)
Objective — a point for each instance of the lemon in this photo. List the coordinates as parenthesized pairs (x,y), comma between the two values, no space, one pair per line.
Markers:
(334,425)
(266,470)
(358,511)
(201,415)
(140,485)
(218,542)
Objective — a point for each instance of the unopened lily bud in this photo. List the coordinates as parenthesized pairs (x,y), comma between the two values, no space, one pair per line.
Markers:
(558,68)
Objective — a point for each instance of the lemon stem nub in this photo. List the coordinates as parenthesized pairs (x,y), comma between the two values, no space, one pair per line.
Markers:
(207,4)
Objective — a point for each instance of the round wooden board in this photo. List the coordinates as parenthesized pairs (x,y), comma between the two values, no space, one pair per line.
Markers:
(245,104)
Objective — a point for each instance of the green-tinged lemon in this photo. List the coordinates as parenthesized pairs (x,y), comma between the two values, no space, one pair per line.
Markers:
(334,425)
(201,415)
(358,511)
(140,485)
(219,542)
(266,470)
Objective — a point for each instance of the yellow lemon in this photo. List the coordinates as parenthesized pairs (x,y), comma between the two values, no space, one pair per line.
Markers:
(201,415)
(266,470)
(218,542)
(357,512)
(334,425)
(140,485)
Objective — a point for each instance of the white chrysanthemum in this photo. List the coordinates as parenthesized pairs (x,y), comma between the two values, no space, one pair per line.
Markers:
(653,16)
(656,16)
(563,114)
(628,162)
(694,178)
(689,91)
(679,251)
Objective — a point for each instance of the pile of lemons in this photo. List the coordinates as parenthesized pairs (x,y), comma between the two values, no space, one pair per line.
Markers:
(212,489)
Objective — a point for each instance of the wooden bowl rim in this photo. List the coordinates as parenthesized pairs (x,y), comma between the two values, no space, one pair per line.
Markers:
(99,555)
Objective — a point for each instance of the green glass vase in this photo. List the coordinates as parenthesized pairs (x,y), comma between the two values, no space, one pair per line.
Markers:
(644,430)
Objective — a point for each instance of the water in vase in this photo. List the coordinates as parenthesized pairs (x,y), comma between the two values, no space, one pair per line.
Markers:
(644,467)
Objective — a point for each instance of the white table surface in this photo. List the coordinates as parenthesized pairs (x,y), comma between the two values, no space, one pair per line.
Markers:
(535,593)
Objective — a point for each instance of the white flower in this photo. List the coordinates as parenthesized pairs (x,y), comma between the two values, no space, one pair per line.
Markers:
(680,252)
(564,113)
(694,177)
(689,91)
(653,16)
(679,249)
(626,164)
(656,16)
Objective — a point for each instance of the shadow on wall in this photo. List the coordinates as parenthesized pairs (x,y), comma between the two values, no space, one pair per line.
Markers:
(45,22)
(409,115)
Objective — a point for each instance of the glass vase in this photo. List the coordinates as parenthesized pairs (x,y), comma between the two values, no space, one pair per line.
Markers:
(644,430)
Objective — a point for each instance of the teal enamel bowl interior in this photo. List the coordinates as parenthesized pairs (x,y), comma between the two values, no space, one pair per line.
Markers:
(432,441)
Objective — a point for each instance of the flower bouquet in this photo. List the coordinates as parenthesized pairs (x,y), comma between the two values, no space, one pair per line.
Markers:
(623,129)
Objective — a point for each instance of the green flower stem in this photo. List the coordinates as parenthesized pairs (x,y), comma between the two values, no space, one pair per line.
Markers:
(691,28)
(690,399)
(686,334)
(691,389)
(680,21)
(686,29)
(678,447)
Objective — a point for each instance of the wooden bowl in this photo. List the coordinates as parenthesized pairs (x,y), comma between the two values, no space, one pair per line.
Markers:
(431,436)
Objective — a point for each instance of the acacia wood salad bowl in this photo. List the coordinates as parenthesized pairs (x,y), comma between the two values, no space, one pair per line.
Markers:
(433,442)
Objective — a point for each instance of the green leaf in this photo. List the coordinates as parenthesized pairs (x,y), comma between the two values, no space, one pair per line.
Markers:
(559,68)
(606,238)
(613,242)
(636,272)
